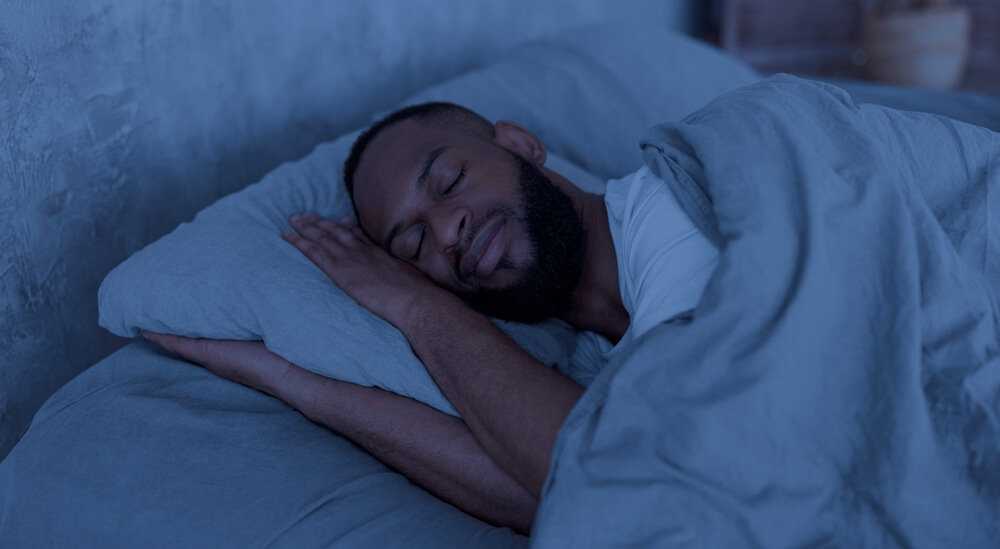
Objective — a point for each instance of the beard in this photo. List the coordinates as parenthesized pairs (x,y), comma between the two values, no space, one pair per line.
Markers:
(544,285)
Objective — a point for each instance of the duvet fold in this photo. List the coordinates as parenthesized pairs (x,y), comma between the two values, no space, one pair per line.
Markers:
(838,384)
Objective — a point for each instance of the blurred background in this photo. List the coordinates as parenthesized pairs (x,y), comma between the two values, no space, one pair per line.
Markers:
(928,43)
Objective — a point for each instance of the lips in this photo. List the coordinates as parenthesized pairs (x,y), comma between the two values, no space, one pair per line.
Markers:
(486,251)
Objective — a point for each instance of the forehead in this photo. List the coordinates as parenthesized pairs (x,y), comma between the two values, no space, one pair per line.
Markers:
(390,165)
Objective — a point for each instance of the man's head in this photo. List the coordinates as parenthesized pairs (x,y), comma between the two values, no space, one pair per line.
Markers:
(467,203)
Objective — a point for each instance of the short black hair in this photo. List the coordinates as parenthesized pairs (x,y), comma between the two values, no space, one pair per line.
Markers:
(435,113)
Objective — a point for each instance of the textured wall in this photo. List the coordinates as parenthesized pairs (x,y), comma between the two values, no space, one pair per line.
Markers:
(121,118)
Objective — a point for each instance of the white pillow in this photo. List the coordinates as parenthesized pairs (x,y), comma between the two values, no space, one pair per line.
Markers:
(229,275)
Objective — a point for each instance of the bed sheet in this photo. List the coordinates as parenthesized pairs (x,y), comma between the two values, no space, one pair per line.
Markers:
(145,450)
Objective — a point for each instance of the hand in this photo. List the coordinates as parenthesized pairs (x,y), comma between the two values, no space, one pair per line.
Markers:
(379,282)
(245,362)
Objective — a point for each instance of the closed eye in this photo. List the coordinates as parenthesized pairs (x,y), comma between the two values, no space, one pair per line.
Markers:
(461,175)
(420,243)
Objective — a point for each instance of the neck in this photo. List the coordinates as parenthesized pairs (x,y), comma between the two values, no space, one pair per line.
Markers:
(596,304)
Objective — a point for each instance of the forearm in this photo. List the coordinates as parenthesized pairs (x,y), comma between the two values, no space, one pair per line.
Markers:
(432,449)
(513,403)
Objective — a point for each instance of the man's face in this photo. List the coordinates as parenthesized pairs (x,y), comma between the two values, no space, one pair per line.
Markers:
(475,217)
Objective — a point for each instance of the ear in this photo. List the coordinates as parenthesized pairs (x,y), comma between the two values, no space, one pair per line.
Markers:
(515,138)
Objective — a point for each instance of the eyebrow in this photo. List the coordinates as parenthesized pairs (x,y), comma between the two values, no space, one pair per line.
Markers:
(425,173)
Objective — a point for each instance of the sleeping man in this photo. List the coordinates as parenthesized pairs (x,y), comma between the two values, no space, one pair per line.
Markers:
(798,299)
(458,220)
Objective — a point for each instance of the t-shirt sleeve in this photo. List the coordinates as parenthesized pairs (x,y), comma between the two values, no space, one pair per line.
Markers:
(668,261)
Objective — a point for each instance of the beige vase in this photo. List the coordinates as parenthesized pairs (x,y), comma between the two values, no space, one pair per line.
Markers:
(926,47)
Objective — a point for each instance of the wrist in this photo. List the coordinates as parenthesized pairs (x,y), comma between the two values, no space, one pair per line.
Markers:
(421,307)
(293,385)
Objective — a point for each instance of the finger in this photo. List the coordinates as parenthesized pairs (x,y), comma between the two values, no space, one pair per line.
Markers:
(183,346)
(323,231)
(316,253)
(309,222)
(309,228)
(310,249)
(162,340)
(352,224)
(326,224)
(295,239)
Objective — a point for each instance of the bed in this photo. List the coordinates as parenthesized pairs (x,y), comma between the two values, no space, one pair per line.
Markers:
(145,449)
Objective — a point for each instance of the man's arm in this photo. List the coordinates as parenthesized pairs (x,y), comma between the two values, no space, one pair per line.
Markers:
(432,449)
(513,404)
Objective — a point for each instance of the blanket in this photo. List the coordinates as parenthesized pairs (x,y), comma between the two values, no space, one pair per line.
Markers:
(838,384)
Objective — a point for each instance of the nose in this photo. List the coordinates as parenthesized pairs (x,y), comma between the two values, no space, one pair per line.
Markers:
(447,224)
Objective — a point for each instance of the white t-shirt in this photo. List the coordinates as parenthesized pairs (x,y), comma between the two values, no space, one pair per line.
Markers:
(664,263)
